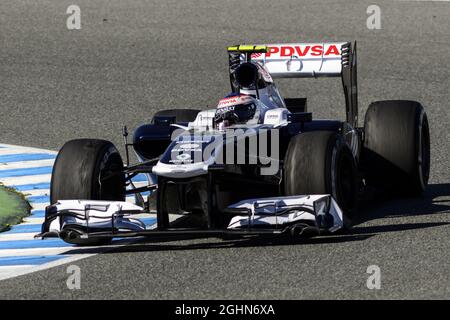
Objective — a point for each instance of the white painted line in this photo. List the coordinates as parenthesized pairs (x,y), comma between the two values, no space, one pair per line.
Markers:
(5,271)
(39,206)
(16,236)
(15,271)
(30,149)
(36,192)
(72,258)
(7,268)
(35,251)
(18,150)
(40,178)
(33,220)
(26,164)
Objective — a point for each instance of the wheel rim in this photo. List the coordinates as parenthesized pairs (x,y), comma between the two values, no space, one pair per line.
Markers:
(111,188)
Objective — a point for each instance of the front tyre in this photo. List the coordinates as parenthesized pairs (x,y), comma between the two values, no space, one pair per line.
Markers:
(87,169)
(320,162)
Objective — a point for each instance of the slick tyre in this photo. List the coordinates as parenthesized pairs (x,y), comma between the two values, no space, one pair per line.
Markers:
(87,169)
(320,162)
(396,152)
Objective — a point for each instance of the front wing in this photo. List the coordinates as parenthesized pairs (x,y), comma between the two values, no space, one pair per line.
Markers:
(304,214)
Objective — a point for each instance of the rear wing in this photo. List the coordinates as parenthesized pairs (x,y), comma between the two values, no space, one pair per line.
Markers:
(295,60)
(306,60)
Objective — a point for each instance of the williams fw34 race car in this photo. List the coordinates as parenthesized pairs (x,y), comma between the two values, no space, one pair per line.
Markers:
(258,164)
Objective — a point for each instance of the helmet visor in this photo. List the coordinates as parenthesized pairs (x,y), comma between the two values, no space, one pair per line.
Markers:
(238,114)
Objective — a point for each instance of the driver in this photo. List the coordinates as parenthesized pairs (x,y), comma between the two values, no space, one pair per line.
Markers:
(236,109)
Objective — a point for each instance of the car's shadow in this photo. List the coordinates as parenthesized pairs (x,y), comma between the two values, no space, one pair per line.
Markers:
(429,203)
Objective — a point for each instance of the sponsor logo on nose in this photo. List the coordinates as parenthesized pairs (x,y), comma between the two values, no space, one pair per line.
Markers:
(183,156)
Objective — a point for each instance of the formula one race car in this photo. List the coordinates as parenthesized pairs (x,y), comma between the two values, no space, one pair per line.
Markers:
(258,164)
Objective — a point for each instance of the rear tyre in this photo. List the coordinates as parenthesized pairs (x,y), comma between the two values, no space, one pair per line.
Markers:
(181,115)
(79,173)
(396,153)
(320,162)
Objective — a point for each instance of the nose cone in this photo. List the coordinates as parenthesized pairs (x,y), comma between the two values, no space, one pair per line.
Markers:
(193,149)
(188,157)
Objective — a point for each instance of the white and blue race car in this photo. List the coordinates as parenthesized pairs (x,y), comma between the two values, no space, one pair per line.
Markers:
(257,164)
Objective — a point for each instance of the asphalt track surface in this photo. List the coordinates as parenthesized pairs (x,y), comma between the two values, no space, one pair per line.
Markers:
(132,58)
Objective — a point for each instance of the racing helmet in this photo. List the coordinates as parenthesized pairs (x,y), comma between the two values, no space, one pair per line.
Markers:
(236,109)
